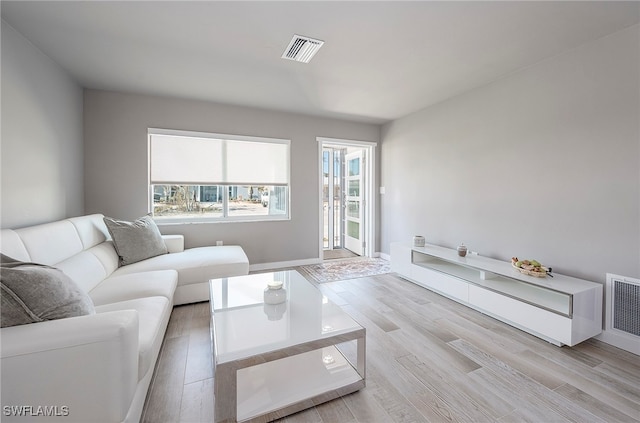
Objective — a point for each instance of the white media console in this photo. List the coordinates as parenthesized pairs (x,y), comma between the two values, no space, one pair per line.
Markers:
(560,309)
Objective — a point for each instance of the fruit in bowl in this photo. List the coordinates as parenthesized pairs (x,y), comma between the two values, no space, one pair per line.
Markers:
(530,267)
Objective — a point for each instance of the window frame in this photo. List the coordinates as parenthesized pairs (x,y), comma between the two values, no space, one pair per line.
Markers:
(225,198)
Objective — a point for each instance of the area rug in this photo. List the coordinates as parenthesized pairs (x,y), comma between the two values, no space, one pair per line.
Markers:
(337,270)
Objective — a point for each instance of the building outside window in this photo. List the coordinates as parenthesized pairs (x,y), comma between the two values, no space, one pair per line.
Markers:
(195,176)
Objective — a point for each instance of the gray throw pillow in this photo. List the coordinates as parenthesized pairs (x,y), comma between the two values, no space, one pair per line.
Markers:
(31,293)
(137,240)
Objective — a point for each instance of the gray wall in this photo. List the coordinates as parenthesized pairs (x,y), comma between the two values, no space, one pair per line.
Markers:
(542,164)
(115,135)
(42,170)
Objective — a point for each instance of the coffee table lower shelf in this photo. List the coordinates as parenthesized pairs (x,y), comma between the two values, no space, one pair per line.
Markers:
(278,388)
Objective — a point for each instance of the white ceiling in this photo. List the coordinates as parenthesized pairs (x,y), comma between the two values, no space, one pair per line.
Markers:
(381,60)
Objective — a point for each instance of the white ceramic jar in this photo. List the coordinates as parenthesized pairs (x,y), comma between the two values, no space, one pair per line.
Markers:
(274,295)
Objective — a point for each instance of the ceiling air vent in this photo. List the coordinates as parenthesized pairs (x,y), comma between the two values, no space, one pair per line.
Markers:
(302,49)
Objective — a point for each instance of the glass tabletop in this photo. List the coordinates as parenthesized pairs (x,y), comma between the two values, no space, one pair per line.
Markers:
(249,318)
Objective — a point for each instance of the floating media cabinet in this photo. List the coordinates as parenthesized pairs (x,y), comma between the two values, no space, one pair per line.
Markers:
(562,310)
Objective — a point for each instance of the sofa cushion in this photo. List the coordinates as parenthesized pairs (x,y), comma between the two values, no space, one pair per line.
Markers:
(84,269)
(196,265)
(34,293)
(91,229)
(137,240)
(50,243)
(135,285)
(153,317)
(12,245)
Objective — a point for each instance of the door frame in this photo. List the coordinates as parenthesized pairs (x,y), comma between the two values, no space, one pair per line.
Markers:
(369,214)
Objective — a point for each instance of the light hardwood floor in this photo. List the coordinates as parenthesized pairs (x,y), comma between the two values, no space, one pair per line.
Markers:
(429,359)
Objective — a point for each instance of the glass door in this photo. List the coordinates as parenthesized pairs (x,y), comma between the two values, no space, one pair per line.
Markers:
(332,208)
(354,202)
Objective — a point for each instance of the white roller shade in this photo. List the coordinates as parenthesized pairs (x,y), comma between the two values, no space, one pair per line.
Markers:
(257,163)
(193,160)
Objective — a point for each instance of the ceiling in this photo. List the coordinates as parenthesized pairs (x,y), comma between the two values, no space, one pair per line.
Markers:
(381,60)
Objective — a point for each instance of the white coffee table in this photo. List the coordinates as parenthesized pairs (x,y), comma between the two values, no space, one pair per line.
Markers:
(274,360)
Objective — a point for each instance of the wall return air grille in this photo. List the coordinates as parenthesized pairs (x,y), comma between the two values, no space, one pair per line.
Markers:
(302,49)
(622,313)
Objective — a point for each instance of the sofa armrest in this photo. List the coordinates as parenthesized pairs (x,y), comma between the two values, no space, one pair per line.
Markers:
(85,366)
(174,243)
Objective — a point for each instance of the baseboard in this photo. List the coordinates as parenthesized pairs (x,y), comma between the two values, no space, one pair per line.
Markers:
(385,256)
(619,341)
(283,264)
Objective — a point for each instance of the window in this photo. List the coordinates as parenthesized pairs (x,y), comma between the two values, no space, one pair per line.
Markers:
(195,176)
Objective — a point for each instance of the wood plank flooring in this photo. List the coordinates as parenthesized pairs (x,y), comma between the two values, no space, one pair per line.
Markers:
(429,359)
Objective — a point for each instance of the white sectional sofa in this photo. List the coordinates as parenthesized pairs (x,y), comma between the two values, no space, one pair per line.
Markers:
(98,367)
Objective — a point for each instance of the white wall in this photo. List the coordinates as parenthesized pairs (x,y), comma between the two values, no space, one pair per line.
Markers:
(42,170)
(542,164)
(115,134)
